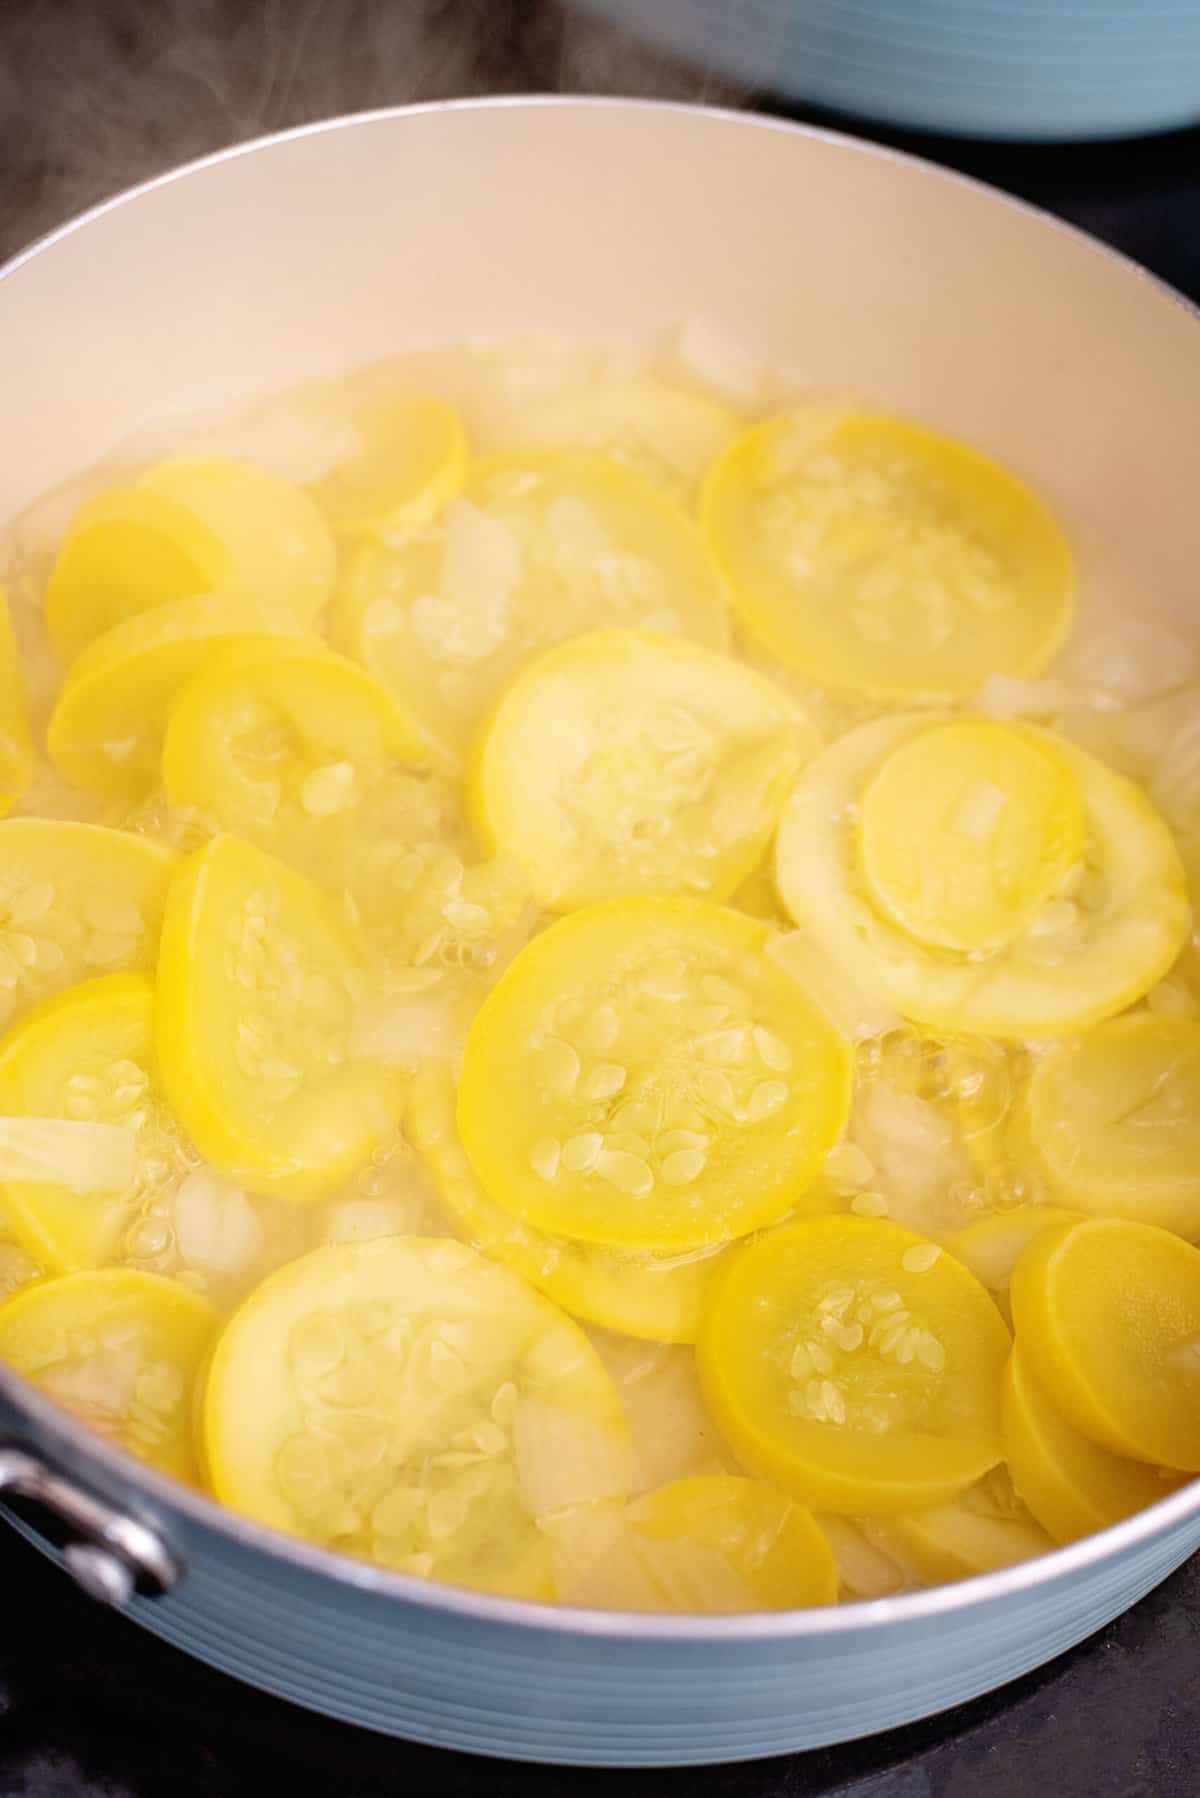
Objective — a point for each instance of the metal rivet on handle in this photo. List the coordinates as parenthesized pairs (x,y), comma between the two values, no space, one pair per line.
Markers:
(111,1555)
(99,1573)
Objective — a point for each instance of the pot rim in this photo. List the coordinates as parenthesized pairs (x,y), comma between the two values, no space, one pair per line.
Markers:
(75,1442)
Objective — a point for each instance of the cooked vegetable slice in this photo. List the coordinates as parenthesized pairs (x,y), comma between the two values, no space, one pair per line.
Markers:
(1112,1121)
(87,1058)
(75,900)
(122,1351)
(258,978)
(16,744)
(281,555)
(106,731)
(1111,929)
(1108,1316)
(409,1402)
(1071,1485)
(412,459)
(718,1543)
(622,763)
(966,830)
(874,554)
(985,1528)
(992,1246)
(280,740)
(855,1365)
(636,1292)
(540,547)
(127,551)
(667,433)
(640,1077)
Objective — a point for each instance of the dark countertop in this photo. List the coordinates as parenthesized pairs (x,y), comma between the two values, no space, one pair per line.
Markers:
(95,94)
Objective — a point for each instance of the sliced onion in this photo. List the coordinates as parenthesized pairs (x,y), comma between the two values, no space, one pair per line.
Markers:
(565,1460)
(865,1569)
(595,1562)
(217,1227)
(711,355)
(62,1152)
(693,1576)
(673,1435)
(856,1011)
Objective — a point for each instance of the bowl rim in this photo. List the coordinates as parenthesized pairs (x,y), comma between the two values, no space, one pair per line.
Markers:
(75,1443)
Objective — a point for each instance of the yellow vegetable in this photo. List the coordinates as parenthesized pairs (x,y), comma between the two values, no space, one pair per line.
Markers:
(640,1077)
(718,1543)
(127,551)
(658,1297)
(855,1365)
(87,1056)
(992,1246)
(280,553)
(966,830)
(407,1401)
(16,744)
(1071,1485)
(540,547)
(258,978)
(280,740)
(873,554)
(1107,1314)
(667,433)
(985,1528)
(1112,1121)
(1106,932)
(75,900)
(413,458)
(622,763)
(106,731)
(121,1350)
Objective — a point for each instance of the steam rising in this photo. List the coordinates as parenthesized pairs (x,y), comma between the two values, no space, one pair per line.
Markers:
(97,94)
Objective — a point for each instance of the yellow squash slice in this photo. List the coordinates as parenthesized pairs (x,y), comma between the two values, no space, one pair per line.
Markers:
(16,744)
(86,1057)
(412,459)
(539,547)
(258,979)
(667,433)
(76,900)
(280,740)
(855,1365)
(983,928)
(106,731)
(119,1349)
(622,763)
(875,555)
(1107,1314)
(640,1077)
(1071,1485)
(635,1292)
(409,1402)
(1111,1119)
(280,553)
(717,1543)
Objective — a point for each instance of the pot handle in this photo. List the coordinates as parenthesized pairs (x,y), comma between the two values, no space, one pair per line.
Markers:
(110,1555)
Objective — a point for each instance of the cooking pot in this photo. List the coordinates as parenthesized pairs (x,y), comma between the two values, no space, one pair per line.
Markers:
(847,265)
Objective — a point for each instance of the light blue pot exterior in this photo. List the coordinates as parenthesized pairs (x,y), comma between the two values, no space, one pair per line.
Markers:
(940,299)
(534,1683)
(1021,69)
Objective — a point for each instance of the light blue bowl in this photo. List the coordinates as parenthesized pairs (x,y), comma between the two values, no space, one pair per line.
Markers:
(977,68)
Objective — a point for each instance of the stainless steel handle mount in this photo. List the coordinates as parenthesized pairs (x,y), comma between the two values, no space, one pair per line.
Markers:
(110,1555)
